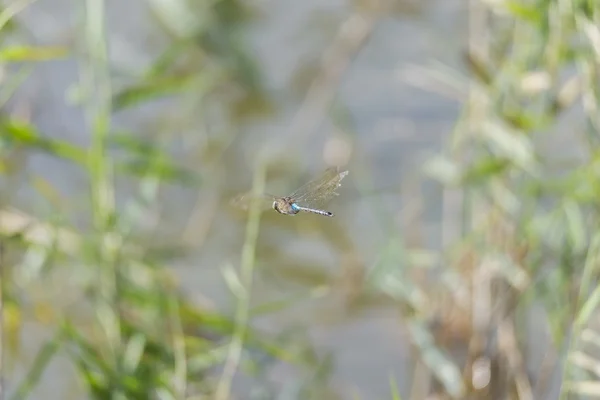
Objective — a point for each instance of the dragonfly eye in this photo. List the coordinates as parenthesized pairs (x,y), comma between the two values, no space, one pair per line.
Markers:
(275,205)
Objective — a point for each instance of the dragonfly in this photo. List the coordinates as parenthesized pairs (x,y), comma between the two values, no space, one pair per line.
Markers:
(308,198)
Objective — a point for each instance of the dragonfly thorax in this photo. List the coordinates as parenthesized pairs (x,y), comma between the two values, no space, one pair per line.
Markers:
(285,205)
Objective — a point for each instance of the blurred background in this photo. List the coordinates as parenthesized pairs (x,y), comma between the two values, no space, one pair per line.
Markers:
(463,257)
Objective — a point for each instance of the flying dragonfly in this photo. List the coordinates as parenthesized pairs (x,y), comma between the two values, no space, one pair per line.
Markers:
(308,198)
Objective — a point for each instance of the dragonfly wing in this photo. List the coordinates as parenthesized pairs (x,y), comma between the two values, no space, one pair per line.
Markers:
(320,190)
(244,200)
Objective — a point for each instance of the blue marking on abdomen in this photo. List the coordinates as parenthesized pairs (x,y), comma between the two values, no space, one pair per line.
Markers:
(295,207)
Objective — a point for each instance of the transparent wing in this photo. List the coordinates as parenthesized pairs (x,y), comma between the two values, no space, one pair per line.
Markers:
(244,200)
(320,190)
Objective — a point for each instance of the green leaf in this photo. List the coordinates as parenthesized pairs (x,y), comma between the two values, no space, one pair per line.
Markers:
(156,88)
(446,371)
(484,169)
(133,352)
(40,364)
(161,168)
(19,133)
(525,12)
(31,53)
(575,226)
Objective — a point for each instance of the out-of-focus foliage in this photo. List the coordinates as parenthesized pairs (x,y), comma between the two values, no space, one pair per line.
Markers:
(529,212)
(127,329)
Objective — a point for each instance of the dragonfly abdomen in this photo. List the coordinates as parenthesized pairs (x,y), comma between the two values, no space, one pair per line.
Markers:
(315,211)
